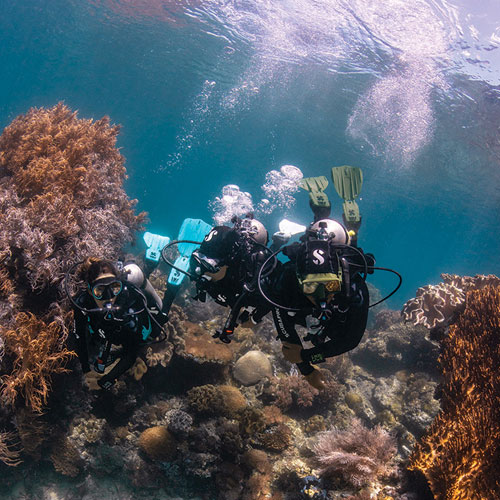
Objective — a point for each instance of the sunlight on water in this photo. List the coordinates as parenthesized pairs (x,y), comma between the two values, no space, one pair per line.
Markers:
(407,47)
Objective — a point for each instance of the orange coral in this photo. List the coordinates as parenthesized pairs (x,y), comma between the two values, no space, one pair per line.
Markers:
(460,455)
(9,455)
(37,351)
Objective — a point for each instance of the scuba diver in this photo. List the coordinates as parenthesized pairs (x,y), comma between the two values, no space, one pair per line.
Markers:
(322,287)
(119,307)
(225,266)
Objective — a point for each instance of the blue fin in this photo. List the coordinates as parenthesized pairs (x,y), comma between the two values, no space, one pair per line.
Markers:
(175,277)
(155,244)
(191,229)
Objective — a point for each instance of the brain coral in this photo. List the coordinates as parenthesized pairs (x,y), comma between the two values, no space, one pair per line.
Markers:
(158,444)
(460,455)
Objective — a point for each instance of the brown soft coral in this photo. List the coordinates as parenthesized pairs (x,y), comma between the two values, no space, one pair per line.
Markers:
(358,455)
(61,199)
(66,458)
(61,185)
(38,354)
(460,454)
(9,454)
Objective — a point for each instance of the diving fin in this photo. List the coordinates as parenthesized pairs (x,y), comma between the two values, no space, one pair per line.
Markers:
(348,182)
(193,230)
(155,244)
(318,200)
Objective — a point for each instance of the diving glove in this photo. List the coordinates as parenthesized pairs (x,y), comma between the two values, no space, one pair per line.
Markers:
(315,378)
(292,352)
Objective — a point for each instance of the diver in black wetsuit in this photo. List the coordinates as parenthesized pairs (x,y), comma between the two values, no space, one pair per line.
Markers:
(325,281)
(113,310)
(225,267)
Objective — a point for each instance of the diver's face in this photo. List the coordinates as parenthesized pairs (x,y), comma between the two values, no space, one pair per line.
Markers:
(105,289)
(220,274)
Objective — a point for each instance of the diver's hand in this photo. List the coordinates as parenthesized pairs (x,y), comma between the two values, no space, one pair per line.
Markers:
(280,239)
(315,378)
(292,352)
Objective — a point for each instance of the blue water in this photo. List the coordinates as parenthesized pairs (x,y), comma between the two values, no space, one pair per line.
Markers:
(216,93)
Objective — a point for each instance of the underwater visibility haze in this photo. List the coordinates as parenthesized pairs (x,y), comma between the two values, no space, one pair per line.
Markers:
(223,106)
(219,93)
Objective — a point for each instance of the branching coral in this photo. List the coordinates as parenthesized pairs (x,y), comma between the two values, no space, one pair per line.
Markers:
(38,354)
(358,455)
(460,455)
(9,455)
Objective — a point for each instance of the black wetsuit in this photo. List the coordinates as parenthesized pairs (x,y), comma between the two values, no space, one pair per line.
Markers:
(129,328)
(240,281)
(339,333)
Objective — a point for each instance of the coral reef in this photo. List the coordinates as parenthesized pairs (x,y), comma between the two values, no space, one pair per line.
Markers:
(358,455)
(460,454)
(188,429)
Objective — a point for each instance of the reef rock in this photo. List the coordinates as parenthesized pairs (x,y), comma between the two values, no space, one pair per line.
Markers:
(252,368)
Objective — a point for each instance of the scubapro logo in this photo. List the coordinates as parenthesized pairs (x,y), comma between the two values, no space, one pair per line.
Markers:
(210,235)
(318,257)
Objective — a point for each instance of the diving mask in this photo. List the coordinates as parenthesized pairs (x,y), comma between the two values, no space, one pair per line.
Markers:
(205,264)
(106,288)
(312,284)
